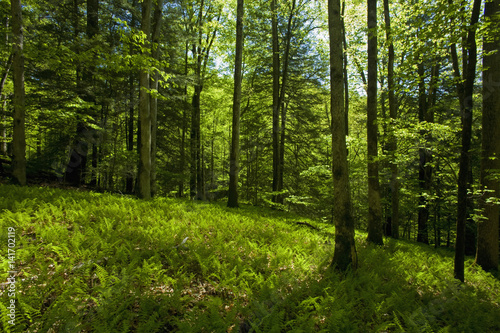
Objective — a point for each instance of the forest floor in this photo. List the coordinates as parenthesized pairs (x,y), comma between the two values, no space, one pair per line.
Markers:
(90,262)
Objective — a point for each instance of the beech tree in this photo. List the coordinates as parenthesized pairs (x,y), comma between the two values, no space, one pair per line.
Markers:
(374,203)
(344,255)
(232,200)
(393,114)
(144,177)
(487,232)
(154,85)
(19,135)
(465,87)
(276,97)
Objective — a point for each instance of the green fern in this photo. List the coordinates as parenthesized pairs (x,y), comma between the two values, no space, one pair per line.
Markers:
(4,319)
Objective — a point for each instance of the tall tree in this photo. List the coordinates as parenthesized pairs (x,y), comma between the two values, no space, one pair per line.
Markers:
(276,97)
(144,179)
(3,102)
(19,134)
(200,49)
(374,201)
(154,85)
(465,87)
(487,232)
(92,31)
(235,140)
(393,143)
(344,255)
(130,119)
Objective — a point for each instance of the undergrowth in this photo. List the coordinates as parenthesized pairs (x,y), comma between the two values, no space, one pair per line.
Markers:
(91,262)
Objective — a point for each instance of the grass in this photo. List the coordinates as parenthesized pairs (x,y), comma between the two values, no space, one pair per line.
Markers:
(93,262)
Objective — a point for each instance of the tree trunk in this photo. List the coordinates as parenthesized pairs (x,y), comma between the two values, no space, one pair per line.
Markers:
(346,77)
(235,142)
(487,232)
(129,187)
(3,101)
(155,53)
(375,231)
(92,31)
(144,177)
(19,135)
(344,255)
(276,106)
(130,132)
(423,167)
(465,91)
(393,145)
(3,132)
(283,104)
(201,52)
(197,177)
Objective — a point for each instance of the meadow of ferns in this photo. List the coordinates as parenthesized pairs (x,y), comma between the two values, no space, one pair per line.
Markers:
(90,262)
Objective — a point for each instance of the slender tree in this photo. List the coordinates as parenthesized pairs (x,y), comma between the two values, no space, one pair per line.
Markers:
(201,53)
(19,135)
(235,140)
(465,87)
(424,170)
(393,143)
(3,102)
(344,255)
(282,102)
(276,97)
(374,203)
(487,232)
(144,180)
(154,84)
(130,121)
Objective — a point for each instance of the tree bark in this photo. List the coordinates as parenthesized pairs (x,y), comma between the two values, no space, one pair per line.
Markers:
(375,231)
(3,101)
(424,171)
(144,177)
(235,141)
(344,255)
(393,144)
(487,232)
(129,187)
(465,91)
(154,84)
(19,134)
(276,94)
(283,104)
(184,124)
(201,53)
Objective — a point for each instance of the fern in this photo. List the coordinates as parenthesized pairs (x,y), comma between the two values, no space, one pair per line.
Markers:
(4,319)
(102,275)
(104,263)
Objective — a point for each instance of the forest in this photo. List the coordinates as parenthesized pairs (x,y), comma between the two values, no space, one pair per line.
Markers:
(249,166)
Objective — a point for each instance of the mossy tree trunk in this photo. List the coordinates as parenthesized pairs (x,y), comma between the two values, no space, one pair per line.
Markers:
(487,233)
(345,249)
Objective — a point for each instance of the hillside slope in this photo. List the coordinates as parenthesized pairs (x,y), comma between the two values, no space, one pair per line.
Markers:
(91,262)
